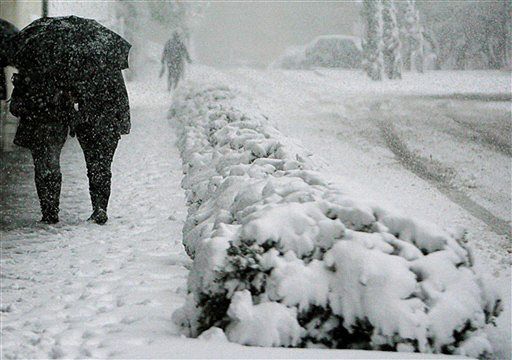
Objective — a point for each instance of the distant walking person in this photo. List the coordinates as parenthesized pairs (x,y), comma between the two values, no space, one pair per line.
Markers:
(44,109)
(173,58)
(103,116)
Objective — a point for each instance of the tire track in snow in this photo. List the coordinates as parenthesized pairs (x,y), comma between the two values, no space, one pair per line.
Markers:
(484,137)
(441,177)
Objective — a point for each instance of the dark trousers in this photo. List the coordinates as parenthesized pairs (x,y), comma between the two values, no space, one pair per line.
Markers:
(46,151)
(175,73)
(172,80)
(99,146)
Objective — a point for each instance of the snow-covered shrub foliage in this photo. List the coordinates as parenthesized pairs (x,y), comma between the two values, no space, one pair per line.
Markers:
(283,258)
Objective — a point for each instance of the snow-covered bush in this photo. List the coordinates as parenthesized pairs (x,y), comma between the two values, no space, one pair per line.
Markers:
(283,258)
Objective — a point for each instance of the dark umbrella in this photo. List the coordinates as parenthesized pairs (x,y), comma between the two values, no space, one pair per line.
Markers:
(7,32)
(69,44)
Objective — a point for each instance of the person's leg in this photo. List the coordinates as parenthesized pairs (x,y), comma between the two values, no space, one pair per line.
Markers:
(169,79)
(176,80)
(42,173)
(99,149)
(104,169)
(48,178)
(179,74)
(86,139)
(89,154)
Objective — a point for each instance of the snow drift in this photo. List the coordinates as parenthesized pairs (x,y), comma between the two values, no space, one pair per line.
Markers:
(283,258)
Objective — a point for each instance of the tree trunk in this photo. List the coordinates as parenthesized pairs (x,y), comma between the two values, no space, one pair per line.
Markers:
(372,45)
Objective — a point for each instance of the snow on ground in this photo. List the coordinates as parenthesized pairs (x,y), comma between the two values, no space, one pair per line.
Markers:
(344,118)
(338,115)
(79,290)
(266,230)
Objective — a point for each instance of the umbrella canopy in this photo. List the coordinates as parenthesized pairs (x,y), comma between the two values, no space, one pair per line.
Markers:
(69,44)
(7,32)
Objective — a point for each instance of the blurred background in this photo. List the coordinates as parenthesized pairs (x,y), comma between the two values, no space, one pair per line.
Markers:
(446,35)
(456,34)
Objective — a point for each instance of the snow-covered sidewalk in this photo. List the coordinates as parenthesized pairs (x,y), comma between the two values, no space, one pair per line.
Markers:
(83,290)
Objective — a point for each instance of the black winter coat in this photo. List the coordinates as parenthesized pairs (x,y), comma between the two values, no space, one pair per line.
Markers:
(41,104)
(40,99)
(103,102)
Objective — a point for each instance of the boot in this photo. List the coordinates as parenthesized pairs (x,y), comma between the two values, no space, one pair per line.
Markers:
(99,199)
(99,216)
(48,190)
(50,219)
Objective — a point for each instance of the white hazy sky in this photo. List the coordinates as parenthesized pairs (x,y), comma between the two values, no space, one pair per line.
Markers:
(88,8)
(252,33)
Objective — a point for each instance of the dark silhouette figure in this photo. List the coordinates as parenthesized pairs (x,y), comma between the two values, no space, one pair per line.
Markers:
(44,108)
(103,116)
(95,109)
(173,58)
(75,84)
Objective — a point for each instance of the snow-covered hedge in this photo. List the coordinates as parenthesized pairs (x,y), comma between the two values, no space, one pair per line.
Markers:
(282,258)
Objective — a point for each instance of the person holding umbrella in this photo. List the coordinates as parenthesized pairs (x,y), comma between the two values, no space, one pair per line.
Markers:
(80,62)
